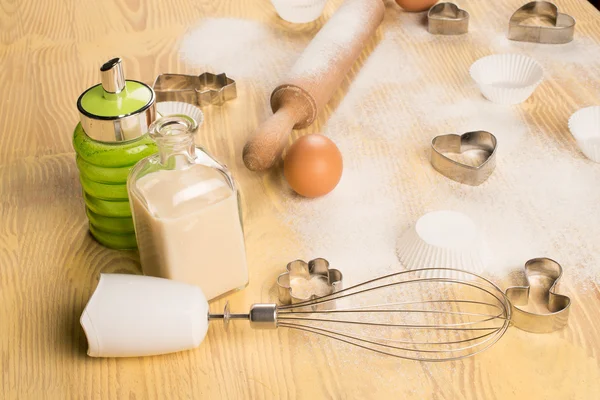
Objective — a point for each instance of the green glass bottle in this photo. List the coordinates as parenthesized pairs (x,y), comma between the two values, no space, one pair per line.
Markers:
(110,139)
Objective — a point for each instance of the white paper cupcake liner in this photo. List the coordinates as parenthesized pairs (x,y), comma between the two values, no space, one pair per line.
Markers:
(507,78)
(442,239)
(299,11)
(167,108)
(585,128)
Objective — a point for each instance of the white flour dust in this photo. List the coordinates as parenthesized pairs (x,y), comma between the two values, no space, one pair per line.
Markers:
(332,40)
(541,201)
(522,213)
(245,50)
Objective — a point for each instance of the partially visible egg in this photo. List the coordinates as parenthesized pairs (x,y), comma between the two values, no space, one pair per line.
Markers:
(416,5)
(313,166)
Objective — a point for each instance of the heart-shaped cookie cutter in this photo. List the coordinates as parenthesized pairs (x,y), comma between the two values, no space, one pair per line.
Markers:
(299,270)
(459,172)
(561,31)
(447,19)
(201,90)
(551,310)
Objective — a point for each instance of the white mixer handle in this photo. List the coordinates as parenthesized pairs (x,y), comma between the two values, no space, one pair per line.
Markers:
(132,316)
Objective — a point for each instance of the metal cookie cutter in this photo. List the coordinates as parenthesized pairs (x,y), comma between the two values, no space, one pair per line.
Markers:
(308,281)
(561,31)
(447,19)
(550,309)
(459,172)
(203,90)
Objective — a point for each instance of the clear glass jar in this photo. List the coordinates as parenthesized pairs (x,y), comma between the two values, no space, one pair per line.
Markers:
(186,212)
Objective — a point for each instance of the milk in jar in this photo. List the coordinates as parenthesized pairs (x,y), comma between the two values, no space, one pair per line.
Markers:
(186,213)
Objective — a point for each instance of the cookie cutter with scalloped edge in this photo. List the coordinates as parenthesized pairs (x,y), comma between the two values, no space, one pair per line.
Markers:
(201,90)
(551,310)
(561,31)
(300,269)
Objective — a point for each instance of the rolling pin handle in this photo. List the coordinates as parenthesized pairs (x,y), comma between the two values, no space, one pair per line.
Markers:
(266,145)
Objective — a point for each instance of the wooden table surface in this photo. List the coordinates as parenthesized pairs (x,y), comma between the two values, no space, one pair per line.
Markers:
(49,265)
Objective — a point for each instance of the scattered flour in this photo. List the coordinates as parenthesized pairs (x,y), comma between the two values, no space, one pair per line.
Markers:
(542,200)
(305,288)
(238,47)
(525,211)
(331,40)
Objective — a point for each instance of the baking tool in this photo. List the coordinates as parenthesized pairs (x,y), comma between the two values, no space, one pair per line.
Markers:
(186,212)
(507,78)
(202,90)
(172,108)
(299,11)
(307,281)
(447,19)
(313,166)
(585,128)
(547,310)
(403,315)
(109,140)
(129,315)
(314,78)
(484,142)
(524,25)
(442,239)
(415,5)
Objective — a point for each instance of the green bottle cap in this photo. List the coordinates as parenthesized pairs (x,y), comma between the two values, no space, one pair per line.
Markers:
(116,110)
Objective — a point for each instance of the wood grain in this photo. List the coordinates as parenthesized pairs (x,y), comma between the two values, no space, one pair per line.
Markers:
(49,265)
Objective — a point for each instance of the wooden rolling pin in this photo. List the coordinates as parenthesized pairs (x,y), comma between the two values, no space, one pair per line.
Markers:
(314,79)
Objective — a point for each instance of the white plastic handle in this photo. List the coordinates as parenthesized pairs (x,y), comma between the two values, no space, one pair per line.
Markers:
(134,315)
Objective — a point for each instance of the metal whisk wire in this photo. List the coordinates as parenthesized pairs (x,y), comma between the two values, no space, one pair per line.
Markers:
(482,328)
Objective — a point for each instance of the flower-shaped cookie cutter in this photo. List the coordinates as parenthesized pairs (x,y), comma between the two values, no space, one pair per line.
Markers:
(201,90)
(308,281)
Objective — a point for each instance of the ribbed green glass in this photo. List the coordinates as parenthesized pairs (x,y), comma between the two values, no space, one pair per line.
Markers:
(103,171)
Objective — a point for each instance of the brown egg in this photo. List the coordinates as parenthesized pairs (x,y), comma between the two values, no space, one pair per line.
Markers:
(313,166)
(416,5)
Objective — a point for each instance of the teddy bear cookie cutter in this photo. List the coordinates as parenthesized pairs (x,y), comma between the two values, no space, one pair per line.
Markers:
(308,281)
(547,311)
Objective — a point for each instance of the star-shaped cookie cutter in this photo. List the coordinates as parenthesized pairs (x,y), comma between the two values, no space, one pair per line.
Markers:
(447,19)
(561,31)
(550,309)
(298,283)
(201,90)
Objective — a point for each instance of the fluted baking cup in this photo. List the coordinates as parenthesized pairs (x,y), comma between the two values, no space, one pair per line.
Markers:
(507,78)
(299,11)
(585,128)
(442,239)
(169,108)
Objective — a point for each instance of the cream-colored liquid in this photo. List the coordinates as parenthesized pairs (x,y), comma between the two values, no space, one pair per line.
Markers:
(191,230)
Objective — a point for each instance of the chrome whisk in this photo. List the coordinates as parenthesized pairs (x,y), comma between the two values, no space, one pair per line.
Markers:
(431,314)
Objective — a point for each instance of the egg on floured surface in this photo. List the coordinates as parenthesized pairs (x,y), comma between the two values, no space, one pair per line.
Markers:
(313,166)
